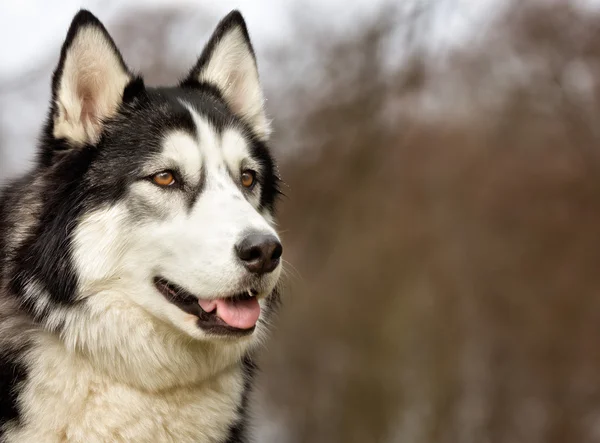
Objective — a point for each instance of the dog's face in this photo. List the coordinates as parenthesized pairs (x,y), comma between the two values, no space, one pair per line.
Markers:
(165,195)
(189,236)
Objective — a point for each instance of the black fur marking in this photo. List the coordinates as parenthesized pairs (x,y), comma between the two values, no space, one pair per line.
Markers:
(11,375)
(268,178)
(238,431)
(134,91)
(45,256)
(6,196)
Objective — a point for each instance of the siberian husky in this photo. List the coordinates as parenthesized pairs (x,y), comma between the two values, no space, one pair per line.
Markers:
(139,262)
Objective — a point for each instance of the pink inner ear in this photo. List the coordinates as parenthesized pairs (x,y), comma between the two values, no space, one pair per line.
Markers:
(236,100)
(89,111)
(63,110)
(91,86)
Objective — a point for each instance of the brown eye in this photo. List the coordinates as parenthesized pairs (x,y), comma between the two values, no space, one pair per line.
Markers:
(164,178)
(248,178)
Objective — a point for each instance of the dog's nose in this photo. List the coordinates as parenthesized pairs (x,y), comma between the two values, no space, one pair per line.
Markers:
(260,253)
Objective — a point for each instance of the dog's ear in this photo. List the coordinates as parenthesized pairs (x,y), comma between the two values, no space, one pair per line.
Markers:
(228,63)
(88,84)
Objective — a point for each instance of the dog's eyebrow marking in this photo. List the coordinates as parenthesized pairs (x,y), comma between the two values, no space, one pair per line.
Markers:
(236,150)
(180,149)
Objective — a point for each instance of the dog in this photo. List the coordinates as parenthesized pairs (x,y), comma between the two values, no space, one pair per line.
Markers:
(139,258)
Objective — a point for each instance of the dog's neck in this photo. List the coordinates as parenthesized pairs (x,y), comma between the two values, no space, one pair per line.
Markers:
(182,366)
(63,384)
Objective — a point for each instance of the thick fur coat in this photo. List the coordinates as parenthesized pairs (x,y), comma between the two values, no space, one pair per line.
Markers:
(139,260)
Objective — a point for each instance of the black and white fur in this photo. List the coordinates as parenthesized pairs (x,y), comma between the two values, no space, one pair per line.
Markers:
(90,351)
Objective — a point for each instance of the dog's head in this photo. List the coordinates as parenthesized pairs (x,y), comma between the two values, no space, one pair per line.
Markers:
(160,198)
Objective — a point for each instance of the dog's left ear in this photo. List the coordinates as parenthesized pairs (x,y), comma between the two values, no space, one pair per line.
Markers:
(228,62)
(88,84)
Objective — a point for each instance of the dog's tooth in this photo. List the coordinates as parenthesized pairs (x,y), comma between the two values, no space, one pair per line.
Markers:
(250,293)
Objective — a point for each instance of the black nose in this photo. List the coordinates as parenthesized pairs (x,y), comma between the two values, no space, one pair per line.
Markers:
(260,253)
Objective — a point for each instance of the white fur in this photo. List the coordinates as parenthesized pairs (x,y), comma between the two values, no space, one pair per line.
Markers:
(232,68)
(90,89)
(66,399)
(130,366)
(181,151)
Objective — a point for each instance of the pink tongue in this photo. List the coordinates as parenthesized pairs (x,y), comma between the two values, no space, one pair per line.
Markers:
(240,314)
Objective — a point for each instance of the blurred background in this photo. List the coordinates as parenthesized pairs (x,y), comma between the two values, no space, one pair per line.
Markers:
(442,211)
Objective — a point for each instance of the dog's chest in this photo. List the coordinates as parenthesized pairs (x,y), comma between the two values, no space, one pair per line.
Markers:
(68,402)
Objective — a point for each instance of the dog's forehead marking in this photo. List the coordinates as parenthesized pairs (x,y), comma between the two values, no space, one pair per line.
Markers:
(220,153)
(234,147)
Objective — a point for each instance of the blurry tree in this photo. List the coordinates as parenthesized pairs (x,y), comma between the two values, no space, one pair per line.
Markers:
(3,154)
(444,286)
(162,42)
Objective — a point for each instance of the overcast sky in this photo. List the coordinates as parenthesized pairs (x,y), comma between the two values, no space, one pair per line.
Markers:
(39,25)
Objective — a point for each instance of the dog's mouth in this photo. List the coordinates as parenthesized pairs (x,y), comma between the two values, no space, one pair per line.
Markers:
(233,315)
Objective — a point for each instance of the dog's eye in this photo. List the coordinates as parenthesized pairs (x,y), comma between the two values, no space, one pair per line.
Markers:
(248,178)
(164,179)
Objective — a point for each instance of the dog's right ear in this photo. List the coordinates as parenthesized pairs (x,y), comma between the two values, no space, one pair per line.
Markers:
(88,84)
